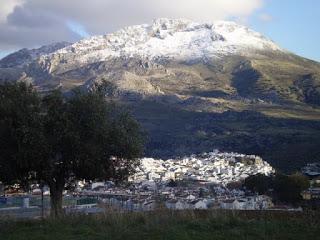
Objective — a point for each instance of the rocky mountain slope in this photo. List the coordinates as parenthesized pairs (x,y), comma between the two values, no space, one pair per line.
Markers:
(26,56)
(193,86)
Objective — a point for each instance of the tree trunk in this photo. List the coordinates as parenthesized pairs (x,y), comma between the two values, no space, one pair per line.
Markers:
(56,191)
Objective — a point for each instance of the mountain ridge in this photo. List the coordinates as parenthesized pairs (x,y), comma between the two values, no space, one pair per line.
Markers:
(202,85)
(182,33)
(29,55)
(155,46)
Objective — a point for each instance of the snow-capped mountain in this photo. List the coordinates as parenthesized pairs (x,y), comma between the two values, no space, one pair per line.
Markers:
(150,46)
(138,58)
(174,39)
(193,86)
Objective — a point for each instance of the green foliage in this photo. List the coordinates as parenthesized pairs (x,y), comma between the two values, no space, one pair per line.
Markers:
(259,183)
(20,132)
(56,139)
(172,183)
(91,138)
(288,188)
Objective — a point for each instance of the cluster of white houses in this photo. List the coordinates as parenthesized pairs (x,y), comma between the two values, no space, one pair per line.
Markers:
(194,182)
(214,167)
(176,198)
(246,203)
(202,184)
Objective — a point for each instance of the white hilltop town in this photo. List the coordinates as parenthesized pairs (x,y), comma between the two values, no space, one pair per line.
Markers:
(205,181)
(192,182)
(214,167)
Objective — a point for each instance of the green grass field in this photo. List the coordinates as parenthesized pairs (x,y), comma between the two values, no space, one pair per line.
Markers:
(169,225)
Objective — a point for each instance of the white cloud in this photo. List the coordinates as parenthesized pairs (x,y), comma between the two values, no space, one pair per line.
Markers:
(7,7)
(37,22)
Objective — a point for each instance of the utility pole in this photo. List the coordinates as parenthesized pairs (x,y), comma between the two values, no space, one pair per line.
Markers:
(42,201)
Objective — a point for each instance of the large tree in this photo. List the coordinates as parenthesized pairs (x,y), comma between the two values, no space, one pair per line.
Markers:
(20,133)
(259,183)
(288,188)
(66,138)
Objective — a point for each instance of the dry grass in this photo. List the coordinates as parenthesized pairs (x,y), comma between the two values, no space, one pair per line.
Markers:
(169,225)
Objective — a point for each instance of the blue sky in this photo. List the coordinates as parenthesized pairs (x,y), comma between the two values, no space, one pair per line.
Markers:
(293,24)
(78,29)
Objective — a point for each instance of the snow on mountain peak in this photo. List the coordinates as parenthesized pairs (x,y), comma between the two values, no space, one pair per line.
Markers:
(178,39)
(25,56)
